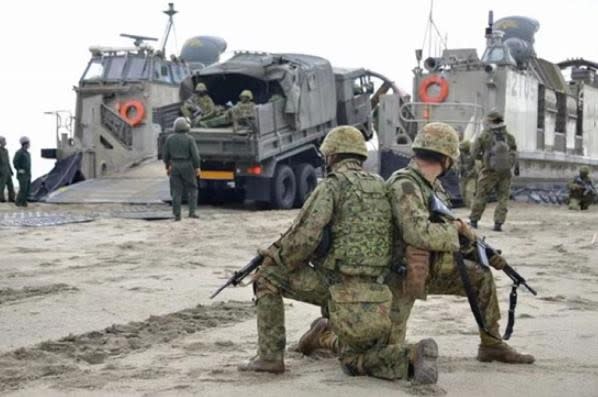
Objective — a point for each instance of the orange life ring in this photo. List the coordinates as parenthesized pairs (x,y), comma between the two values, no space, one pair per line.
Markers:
(430,81)
(136,119)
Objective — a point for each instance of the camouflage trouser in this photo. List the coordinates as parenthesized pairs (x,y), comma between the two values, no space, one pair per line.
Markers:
(310,285)
(468,186)
(182,178)
(24,188)
(577,204)
(487,182)
(447,283)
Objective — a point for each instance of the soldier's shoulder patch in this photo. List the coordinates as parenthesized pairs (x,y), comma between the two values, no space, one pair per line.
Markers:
(407,187)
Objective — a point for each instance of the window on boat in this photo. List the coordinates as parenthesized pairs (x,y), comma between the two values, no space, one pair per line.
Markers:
(95,70)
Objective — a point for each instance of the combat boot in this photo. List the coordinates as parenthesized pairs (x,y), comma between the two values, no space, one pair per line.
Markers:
(473,223)
(423,362)
(497,227)
(503,353)
(193,216)
(311,340)
(257,364)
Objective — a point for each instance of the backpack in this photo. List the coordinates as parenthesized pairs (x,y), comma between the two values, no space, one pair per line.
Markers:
(498,157)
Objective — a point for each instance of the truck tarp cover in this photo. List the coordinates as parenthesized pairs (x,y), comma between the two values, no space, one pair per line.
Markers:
(307,82)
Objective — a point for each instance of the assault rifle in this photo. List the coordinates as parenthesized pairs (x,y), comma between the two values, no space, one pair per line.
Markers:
(239,275)
(483,252)
(587,186)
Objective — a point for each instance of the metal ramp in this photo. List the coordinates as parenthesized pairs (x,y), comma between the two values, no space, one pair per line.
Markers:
(144,184)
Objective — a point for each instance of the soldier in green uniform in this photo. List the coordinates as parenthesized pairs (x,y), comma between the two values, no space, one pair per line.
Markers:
(426,248)
(581,190)
(498,151)
(181,158)
(22,164)
(345,278)
(468,174)
(199,106)
(5,173)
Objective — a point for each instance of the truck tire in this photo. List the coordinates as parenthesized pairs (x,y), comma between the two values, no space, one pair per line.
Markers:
(284,187)
(305,174)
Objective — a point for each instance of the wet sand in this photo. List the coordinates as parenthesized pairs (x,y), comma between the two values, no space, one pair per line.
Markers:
(120,307)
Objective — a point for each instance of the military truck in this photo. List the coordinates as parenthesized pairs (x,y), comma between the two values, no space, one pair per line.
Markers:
(274,158)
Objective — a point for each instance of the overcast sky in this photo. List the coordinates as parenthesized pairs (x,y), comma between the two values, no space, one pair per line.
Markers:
(45,43)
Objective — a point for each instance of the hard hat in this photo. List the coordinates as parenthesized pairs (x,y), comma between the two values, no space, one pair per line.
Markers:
(247,94)
(23,140)
(181,125)
(344,139)
(440,138)
(201,87)
(584,171)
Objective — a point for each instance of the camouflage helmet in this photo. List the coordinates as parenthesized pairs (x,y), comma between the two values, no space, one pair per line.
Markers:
(247,94)
(465,146)
(495,119)
(440,138)
(2,140)
(344,139)
(181,125)
(584,171)
(24,140)
(201,87)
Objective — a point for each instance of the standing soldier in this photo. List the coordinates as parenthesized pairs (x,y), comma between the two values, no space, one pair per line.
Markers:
(353,205)
(181,158)
(426,249)
(22,164)
(468,174)
(498,151)
(581,190)
(5,173)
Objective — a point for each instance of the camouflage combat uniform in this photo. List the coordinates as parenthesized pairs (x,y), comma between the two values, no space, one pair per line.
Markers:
(203,102)
(490,178)
(354,204)
(468,174)
(581,191)
(6,176)
(182,158)
(409,193)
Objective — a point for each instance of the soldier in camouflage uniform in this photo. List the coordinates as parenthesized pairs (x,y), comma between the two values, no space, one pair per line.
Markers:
(353,205)
(181,158)
(468,174)
(199,106)
(5,173)
(243,113)
(581,190)
(427,248)
(498,151)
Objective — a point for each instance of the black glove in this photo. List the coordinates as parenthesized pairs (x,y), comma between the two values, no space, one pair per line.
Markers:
(516,170)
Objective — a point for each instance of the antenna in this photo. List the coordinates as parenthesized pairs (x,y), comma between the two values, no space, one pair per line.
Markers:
(169,26)
(431,30)
(138,39)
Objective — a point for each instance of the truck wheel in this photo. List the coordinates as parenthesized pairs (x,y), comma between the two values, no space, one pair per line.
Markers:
(283,188)
(305,174)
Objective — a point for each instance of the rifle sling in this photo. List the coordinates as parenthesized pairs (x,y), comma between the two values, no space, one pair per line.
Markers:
(471,296)
(512,306)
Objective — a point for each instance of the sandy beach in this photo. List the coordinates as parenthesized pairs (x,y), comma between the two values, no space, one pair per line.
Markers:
(120,307)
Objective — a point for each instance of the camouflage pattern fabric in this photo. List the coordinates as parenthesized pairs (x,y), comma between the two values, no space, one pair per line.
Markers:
(440,138)
(201,102)
(242,111)
(409,193)
(180,152)
(22,165)
(288,275)
(578,198)
(490,180)
(6,176)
